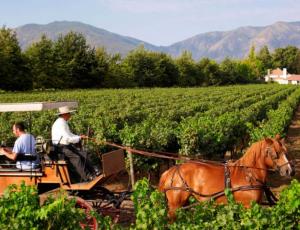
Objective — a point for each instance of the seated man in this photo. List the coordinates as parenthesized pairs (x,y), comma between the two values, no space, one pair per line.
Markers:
(23,151)
(65,141)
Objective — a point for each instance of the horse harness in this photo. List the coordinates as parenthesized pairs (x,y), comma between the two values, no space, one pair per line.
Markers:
(227,185)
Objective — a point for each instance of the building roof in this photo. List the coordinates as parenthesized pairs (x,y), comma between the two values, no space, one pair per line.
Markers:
(293,77)
(277,71)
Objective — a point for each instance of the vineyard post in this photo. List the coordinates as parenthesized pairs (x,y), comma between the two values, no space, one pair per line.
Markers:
(132,179)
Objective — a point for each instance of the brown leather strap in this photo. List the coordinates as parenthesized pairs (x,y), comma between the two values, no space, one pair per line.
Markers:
(220,193)
(227,178)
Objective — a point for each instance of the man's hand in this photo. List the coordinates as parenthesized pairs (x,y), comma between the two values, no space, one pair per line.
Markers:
(3,151)
(82,136)
(8,153)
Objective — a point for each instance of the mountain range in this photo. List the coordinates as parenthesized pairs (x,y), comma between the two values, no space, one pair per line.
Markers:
(216,45)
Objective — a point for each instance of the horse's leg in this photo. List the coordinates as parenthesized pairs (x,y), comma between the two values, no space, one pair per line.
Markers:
(176,199)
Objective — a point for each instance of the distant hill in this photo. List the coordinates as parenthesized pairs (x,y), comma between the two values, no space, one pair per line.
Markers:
(236,43)
(217,45)
(96,37)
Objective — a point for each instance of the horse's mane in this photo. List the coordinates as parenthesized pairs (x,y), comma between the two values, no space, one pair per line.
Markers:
(249,158)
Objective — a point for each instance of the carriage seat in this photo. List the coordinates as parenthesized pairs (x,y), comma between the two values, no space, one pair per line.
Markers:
(48,152)
(8,165)
(16,172)
(14,169)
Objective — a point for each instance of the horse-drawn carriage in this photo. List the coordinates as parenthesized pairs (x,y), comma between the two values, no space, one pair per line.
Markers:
(246,178)
(53,174)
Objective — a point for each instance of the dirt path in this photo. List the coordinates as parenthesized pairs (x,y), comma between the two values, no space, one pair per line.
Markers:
(293,141)
(293,136)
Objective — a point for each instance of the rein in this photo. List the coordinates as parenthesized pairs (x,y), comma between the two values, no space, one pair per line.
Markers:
(172,156)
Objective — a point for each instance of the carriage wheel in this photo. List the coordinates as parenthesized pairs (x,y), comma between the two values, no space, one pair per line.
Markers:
(123,214)
(89,222)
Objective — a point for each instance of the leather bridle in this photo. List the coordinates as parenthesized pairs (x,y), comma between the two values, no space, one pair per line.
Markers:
(275,156)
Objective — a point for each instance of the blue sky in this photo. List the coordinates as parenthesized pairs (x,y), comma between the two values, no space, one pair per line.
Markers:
(160,22)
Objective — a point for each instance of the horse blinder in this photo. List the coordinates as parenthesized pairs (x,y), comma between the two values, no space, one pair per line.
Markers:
(274,157)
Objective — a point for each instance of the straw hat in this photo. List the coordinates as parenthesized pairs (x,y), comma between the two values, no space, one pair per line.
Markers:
(64,110)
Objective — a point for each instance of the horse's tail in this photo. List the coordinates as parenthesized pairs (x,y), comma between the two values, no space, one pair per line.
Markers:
(164,179)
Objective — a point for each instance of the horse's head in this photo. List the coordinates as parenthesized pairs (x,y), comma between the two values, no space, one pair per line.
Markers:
(276,156)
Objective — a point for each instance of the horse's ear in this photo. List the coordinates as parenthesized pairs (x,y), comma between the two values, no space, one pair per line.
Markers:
(277,137)
(280,139)
(269,141)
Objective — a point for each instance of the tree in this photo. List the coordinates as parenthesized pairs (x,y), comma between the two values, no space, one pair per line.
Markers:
(138,68)
(167,70)
(13,72)
(297,62)
(244,73)
(265,57)
(41,60)
(255,64)
(102,68)
(236,72)
(228,70)
(210,72)
(188,71)
(76,62)
(109,69)
(144,68)
(287,57)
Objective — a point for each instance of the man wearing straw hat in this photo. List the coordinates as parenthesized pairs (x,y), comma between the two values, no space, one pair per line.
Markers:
(65,141)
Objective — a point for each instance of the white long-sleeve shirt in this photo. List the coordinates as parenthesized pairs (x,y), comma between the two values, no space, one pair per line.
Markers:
(61,133)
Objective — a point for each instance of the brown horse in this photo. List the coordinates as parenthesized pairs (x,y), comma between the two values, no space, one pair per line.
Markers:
(246,177)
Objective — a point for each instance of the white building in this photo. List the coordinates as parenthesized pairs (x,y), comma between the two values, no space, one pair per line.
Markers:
(282,77)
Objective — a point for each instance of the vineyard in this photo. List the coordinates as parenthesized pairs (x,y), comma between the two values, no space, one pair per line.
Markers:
(196,122)
(204,122)
(25,212)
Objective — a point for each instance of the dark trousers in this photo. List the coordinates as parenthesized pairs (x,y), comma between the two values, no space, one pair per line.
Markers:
(79,159)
